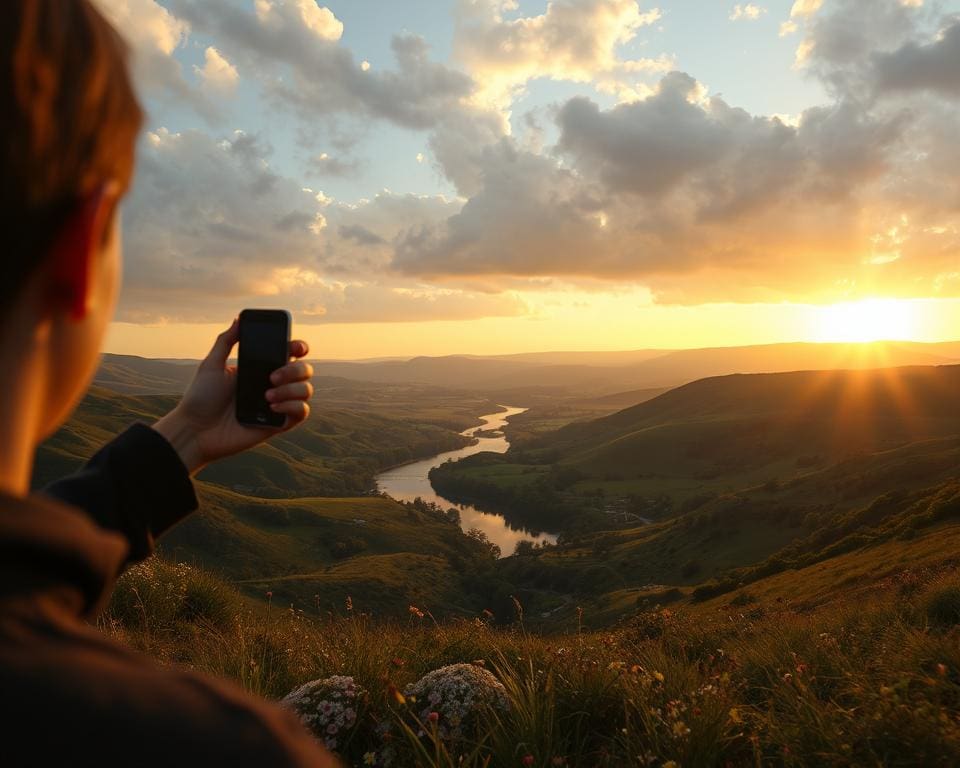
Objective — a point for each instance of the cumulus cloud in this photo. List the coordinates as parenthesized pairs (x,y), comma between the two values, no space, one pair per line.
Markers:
(217,73)
(211,227)
(746,12)
(284,14)
(574,40)
(326,165)
(933,66)
(702,201)
(154,34)
(301,63)
(671,188)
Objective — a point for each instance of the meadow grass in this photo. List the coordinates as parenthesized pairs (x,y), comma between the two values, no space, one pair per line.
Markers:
(873,681)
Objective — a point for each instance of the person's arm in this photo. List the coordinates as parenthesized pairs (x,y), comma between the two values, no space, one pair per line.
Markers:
(136,485)
(139,484)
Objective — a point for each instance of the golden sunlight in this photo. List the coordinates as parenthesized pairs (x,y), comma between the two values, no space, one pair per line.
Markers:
(867,320)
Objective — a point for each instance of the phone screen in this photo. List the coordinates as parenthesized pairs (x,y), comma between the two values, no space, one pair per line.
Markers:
(264,347)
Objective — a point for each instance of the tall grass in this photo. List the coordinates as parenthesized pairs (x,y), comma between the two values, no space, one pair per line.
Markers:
(876,682)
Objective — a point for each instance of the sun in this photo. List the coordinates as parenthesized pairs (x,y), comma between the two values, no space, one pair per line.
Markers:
(866,320)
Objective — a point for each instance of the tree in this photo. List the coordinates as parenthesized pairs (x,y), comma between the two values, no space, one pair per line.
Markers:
(480,537)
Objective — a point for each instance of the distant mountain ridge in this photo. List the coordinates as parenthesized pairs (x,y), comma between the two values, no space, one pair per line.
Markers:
(605,373)
(595,374)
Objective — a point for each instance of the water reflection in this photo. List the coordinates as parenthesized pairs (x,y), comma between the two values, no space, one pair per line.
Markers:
(409,481)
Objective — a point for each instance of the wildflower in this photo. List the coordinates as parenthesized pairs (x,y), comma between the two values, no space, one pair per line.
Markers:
(369,758)
(456,695)
(349,603)
(680,729)
(659,676)
(397,661)
(325,707)
(670,764)
(397,696)
(942,670)
(527,760)
(269,595)
(414,611)
(487,613)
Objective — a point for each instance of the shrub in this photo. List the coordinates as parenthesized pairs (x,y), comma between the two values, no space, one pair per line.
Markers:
(943,606)
(329,708)
(349,547)
(455,696)
(160,596)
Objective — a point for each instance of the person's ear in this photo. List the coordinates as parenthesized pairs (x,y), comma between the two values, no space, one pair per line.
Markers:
(75,251)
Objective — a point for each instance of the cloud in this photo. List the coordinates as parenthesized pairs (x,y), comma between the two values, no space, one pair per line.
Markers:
(746,12)
(283,14)
(702,202)
(301,64)
(805,8)
(932,66)
(154,34)
(788,28)
(217,73)
(325,165)
(574,40)
(671,188)
(210,227)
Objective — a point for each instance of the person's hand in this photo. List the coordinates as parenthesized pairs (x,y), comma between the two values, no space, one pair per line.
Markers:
(204,427)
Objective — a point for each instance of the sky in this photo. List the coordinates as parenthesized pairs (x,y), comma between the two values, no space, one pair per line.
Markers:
(496,176)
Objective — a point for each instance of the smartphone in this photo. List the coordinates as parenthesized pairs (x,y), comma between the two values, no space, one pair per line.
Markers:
(264,347)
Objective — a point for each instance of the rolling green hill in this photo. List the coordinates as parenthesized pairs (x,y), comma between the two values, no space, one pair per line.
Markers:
(268,522)
(336,453)
(723,434)
(726,481)
(316,552)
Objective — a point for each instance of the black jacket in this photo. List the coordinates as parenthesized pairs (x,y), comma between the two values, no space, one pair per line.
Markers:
(71,697)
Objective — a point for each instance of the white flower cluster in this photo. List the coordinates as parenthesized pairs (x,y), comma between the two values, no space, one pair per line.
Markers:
(457,694)
(328,707)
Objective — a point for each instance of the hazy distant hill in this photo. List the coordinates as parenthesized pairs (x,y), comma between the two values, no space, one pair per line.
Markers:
(602,373)
(140,375)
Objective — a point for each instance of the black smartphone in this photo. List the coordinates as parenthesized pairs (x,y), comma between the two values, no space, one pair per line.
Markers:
(264,347)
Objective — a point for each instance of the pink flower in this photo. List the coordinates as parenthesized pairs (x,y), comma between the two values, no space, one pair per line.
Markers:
(433,717)
(528,760)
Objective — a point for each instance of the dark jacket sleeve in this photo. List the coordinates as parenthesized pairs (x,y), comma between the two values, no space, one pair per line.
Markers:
(135,485)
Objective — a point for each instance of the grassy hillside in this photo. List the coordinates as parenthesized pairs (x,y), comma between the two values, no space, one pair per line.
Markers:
(382,554)
(869,675)
(716,436)
(336,453)
(726,481)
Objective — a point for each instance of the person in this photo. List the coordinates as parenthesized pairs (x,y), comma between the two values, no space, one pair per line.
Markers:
(69,696)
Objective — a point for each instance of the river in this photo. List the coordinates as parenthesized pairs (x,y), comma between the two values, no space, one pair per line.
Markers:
(407,482)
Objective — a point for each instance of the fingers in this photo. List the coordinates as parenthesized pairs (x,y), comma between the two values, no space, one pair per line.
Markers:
(222,346)
(296,411)
(299,348)
(298,390)
(299,371)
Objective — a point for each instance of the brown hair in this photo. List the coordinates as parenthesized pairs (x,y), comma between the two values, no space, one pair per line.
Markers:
(68,123)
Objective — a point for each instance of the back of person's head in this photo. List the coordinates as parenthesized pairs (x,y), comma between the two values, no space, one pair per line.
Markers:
(68,124)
